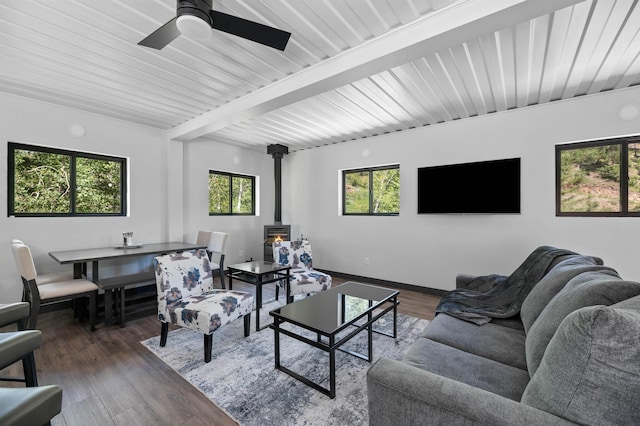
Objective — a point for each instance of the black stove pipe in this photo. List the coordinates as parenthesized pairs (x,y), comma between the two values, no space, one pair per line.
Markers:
(277,151)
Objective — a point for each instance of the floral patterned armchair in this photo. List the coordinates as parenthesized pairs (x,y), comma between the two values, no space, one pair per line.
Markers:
(186,297)
(304,279)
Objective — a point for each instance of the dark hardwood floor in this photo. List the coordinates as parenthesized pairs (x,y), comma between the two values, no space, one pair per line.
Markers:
(109,378)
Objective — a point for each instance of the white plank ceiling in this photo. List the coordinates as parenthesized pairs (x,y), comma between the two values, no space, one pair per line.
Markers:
(352,69)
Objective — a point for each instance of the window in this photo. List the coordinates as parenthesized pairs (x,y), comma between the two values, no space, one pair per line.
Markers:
(231,194)
(54,182)
(600,178)
(371,191)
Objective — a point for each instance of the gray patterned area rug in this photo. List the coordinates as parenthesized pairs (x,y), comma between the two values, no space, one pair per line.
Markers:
(241,378)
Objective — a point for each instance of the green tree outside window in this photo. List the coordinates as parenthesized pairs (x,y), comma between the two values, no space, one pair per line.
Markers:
(600,178)
(372,191)
(52,182)
(231,194)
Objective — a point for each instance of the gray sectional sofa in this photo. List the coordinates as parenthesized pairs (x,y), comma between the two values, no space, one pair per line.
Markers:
(571,356)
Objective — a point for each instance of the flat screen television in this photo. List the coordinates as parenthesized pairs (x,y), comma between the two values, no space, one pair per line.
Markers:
(480,187)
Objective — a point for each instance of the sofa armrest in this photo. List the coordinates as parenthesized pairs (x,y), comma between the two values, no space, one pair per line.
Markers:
(400,394)
(483,285)
(463,280)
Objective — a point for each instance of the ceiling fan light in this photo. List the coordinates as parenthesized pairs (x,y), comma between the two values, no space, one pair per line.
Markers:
(193,27)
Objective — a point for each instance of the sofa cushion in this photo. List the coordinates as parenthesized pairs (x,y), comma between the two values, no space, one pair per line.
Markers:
(590,373)
(552,283)
(586,289)
(488,340)
(468,368)
(511,322)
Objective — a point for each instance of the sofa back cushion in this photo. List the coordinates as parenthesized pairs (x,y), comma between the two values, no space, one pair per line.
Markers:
(554,281)
(586,289)
(590,373)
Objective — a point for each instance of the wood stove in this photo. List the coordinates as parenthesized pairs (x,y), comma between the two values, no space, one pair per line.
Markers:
(277,231)
(274,233)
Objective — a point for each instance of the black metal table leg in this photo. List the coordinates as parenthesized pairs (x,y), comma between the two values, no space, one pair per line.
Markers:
(332,367)
(276,337)
(258,304)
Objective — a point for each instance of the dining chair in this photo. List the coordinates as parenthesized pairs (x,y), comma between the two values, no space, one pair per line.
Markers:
(186,297)
(37,292)
(218,248)
(216,243)
(50,277)
(203,237)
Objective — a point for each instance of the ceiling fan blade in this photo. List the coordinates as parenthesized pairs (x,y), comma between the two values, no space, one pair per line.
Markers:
(250,30)
(162,36)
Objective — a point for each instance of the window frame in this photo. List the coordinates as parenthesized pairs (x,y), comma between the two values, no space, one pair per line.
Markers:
(624,175)
(73,155)
(231,176)
(370,170)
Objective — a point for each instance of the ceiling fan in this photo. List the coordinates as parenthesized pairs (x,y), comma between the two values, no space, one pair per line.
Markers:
(195,19)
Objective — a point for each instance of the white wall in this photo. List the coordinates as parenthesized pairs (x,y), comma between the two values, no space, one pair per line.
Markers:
(169,198)
(429,250)
(38,123)
(245,232)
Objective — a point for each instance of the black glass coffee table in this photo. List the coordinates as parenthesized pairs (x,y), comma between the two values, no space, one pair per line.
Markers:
(335,315)
(259,273)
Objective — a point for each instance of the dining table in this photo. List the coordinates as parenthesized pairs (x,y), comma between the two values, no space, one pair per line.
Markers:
(81,257)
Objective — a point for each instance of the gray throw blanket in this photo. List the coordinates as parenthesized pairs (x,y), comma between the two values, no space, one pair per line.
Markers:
(507,293)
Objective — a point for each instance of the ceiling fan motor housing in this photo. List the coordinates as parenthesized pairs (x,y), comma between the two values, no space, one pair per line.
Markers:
(197,8)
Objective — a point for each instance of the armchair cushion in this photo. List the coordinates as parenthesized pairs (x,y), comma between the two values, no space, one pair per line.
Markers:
(304,279)
(206,312)
(296,254)
(186,296)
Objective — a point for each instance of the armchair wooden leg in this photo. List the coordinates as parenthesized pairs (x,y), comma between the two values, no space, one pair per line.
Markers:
(247,324)
(29,366)
(208,345)
(163,334)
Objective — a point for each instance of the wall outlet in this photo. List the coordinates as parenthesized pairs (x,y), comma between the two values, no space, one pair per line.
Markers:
(241,253)
(366,261)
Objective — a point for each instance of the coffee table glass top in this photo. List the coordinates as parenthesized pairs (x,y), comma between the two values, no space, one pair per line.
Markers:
(258,267)
(332,310)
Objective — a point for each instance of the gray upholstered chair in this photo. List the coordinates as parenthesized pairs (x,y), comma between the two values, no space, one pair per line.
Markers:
(38,292)
(18,345)
(186,297)
(30,406)
(33,405)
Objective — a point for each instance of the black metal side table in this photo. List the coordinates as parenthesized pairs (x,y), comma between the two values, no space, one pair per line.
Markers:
(259,273)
